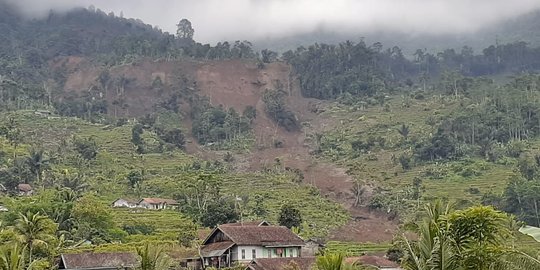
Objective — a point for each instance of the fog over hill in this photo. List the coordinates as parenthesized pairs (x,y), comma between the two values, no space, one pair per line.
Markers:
(281,23)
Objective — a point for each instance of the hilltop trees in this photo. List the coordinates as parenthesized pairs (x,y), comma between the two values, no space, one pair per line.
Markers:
(185,30)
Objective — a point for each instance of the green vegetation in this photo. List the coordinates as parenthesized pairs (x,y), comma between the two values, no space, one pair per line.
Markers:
(276,109)
(214,124)
(407,131)
(80,168)
(473,238)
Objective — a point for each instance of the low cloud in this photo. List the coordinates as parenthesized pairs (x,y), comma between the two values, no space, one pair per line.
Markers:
(216,20)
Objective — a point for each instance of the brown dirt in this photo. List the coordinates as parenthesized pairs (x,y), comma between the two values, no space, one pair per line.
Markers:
(237,84)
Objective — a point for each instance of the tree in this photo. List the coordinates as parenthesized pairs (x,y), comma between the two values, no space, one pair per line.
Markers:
(188,233)
(404,131)
(175,137)
(290,217)
(152,258)
(93,218)
(37,162)
(134,178)
(34,229)
(136,137)
(87,148)
(268,56)
(473,238)
(185,30)
(219,212)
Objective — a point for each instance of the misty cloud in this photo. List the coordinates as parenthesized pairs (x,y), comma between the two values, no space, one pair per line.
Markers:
(216,20)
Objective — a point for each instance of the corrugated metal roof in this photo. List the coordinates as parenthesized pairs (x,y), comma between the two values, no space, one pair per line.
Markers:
(99,260)
(216,249)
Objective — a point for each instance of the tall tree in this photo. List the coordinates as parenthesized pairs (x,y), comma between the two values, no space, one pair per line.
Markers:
(185,30)
(290,217)
(37,162)
(34,229)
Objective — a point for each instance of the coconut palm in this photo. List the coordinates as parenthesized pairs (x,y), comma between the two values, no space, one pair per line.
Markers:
(37,162)
(152,258)
(33,230)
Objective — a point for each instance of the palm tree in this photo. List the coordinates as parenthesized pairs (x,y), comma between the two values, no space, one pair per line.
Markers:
(152,258)
(12,258)
(404,131)
(474,238)
(330,262)
(34,229)
(38,162)
(335,261)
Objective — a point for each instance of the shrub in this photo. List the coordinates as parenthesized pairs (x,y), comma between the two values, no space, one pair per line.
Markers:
(406,161)
(86,147)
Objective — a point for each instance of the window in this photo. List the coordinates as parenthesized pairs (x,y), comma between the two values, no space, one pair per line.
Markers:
(253,254)
(243,254)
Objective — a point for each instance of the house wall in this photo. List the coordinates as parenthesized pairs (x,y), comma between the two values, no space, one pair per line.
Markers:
(263,252)
(310,249)
(151,206)
(123,203)
(236,254)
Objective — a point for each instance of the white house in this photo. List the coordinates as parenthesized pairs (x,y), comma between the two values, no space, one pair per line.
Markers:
(126,203)
(158,203)
(231,243)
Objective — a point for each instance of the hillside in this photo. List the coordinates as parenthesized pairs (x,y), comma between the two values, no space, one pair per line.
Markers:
(345,143)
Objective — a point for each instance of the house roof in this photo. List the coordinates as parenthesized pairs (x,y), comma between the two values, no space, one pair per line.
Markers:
(24,187)
(303,263)
(259,235)
(248,223)
(132,201)
(377,261)
(99,260)
(216,249)
(158,201)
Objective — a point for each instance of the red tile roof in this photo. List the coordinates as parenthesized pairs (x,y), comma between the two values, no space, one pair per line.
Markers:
(248,223)
(98,260)
(261,235)
(159,201)
(304,263)
(377,261)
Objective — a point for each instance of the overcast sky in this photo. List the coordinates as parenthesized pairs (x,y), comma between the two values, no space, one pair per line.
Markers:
(216,20)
